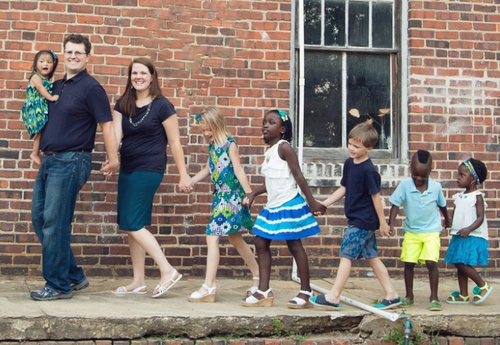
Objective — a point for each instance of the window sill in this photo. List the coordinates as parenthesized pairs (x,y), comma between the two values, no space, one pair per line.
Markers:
(323,174)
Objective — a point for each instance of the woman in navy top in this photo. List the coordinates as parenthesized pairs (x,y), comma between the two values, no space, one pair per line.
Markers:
(145,122)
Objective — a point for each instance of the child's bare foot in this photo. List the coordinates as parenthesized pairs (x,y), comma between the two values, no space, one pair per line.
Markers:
(36,158)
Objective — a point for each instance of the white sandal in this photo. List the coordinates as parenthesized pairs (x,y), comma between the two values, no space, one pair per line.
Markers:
(253,289)
(253,301)
(208,297)
(163,288)
(300,303)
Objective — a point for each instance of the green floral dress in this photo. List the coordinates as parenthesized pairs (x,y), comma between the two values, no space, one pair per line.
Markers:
(35,112)
(228,216)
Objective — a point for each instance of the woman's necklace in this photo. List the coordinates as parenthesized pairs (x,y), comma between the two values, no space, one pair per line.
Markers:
(135,124)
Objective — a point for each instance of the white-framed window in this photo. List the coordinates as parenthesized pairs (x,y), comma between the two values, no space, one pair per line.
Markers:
(352,74)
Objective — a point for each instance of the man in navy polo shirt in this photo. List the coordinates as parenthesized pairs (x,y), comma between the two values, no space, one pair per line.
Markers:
(67,142)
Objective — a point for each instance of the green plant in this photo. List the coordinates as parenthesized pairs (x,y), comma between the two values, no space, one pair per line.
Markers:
(299,338)
(277,327)
(226,339)
(397,336)
(433,336)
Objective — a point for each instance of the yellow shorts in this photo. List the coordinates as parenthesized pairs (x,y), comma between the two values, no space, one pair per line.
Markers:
(421,247)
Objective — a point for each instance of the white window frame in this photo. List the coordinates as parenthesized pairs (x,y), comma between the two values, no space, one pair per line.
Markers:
(397,154)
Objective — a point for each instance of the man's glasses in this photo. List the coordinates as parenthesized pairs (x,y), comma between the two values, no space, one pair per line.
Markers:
(77,53)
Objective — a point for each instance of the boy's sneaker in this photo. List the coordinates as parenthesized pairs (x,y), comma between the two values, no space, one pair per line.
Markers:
(387,304)
(48,293)
(83,284)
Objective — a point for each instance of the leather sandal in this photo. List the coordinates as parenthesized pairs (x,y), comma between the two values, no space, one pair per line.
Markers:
(253,301)
(299,302)
(207,297)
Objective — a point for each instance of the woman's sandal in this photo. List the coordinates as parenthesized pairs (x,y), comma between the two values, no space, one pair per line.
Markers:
(253,289)
(299,302)
(207,297)
(457,298)
(478,298)
(163,288)
(266,301)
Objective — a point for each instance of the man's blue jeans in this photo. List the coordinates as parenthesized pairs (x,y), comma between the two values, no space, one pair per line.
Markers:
(59,179)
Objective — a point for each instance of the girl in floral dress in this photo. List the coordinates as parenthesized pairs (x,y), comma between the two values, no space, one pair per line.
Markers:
(229,217)
(35,109)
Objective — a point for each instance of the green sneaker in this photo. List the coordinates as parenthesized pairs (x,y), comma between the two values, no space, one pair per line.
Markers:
(406,303)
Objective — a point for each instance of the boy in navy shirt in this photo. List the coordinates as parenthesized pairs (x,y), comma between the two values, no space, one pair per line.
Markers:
(360,185)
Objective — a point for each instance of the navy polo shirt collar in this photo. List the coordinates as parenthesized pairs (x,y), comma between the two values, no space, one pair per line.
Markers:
(77,77)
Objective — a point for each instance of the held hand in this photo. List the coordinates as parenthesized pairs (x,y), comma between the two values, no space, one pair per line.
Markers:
(54,98)
(110,167)
(317,208)
(248,200)
(321,203)
(186,184)
(385,230)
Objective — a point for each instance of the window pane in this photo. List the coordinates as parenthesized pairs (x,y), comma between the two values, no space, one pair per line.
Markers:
(369,93)
(312,24)
(358,24)
(323,99)
(335,23)
(382,25)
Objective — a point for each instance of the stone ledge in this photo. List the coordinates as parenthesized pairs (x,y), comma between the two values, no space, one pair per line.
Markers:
(95,313)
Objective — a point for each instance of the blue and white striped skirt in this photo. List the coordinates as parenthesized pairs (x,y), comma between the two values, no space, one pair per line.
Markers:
(291,221)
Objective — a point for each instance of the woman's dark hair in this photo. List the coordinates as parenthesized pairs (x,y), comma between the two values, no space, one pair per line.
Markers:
(46,52)
(285,119)
(127,101)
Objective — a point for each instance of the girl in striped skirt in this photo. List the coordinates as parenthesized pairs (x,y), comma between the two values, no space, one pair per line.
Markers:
(287,216)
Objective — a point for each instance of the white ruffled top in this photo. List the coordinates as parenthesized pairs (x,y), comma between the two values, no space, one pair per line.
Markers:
(280,183)
(465,214)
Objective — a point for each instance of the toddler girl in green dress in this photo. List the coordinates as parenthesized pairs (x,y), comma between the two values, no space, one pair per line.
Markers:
(35,109)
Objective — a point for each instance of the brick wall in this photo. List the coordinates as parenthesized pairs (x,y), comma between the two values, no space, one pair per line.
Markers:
(236,55)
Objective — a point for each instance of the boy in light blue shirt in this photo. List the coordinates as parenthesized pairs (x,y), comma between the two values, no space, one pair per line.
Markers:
(423,199)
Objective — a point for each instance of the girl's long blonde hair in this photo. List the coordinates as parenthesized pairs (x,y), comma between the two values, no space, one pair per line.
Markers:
(212,117)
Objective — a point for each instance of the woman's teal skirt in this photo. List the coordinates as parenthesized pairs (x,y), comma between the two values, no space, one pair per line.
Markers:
(135,198)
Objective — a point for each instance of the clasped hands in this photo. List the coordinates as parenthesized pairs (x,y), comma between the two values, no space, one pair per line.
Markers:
(108,168)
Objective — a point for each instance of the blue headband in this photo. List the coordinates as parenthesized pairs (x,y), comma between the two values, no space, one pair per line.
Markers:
(283,115)
(53,54)
(469,166)
(197,117)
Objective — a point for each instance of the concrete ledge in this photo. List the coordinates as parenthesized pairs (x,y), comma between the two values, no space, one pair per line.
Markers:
(97,314)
